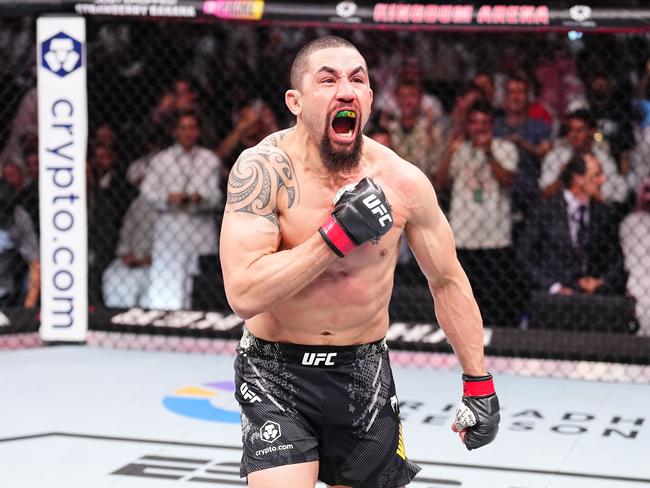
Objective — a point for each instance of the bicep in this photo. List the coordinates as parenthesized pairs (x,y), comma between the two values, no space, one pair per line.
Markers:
(245,238)
(431,240)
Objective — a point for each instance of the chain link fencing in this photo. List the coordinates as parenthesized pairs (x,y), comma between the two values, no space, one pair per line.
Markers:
(495,120)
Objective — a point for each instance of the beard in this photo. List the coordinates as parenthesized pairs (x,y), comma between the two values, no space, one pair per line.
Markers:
(342,158)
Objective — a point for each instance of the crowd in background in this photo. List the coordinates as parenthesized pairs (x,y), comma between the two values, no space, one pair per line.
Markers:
(538,148)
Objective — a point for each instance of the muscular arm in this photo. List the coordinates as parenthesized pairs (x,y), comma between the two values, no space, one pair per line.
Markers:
(432,242)
(256,274)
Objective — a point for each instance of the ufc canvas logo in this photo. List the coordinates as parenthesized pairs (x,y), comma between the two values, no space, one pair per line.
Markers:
(249,394)
(316,358)
(374,204)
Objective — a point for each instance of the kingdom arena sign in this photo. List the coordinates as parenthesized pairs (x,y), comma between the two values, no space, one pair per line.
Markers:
(416,13)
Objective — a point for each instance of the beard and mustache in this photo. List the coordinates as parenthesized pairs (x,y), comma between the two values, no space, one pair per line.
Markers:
(340,157)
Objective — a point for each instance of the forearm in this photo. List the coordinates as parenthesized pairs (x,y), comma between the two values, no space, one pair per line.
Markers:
(34,284)
(278,276)
(228,144)
(551,189)
(504,177)
(459,316)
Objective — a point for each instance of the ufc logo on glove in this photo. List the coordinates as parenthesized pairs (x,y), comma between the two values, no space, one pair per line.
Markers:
(373,203)
(353,220)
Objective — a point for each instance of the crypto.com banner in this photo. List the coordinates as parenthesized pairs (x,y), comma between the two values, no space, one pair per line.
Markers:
(62,134)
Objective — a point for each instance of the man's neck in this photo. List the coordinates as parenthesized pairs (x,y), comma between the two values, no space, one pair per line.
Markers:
(187,149)
(408,121)
(579,196)
(304,151)
(515,119)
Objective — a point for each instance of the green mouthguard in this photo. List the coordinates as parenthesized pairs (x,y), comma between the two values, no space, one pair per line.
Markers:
(346,113)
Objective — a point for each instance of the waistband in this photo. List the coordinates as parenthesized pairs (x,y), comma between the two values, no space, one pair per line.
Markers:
(307,355)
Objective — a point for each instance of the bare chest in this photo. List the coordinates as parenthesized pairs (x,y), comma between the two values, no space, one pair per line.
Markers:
(305,216)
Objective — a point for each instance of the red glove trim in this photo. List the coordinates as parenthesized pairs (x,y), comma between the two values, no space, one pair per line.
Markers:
(478,388)
(337,236)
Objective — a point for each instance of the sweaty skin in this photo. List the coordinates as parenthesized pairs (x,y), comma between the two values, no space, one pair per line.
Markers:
(280,275)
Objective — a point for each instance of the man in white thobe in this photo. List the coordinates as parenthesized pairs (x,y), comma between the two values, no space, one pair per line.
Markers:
(182,184)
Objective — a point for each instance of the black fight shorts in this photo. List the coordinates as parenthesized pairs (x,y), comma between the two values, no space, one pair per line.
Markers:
(332,404)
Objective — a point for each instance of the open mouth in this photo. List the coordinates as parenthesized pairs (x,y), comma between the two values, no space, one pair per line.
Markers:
(344,123)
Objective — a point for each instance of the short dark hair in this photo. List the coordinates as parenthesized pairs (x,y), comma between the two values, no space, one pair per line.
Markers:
(582,114)
(299,65)
(576,166)
(518,78)
(483,107)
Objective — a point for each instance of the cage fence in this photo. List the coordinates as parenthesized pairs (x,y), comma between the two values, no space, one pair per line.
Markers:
(551,285)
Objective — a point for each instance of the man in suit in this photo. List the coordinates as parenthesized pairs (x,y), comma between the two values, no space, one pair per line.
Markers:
(570,244)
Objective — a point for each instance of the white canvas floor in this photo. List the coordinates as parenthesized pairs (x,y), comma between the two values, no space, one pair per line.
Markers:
(86,417)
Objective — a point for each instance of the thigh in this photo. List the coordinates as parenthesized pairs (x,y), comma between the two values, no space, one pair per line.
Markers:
(275,429)
(363,444)
(301,475)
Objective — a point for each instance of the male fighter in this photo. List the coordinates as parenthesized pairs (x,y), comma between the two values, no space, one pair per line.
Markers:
(309,244)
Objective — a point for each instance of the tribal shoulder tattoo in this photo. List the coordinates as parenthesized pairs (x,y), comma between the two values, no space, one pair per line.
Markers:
(256,179)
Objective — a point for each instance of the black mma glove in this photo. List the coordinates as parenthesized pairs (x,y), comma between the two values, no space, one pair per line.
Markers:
(478,413)
(361,213)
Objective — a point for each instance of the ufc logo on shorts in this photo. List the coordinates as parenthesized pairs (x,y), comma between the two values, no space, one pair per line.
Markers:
(316,358)
(373,203)
(249,394)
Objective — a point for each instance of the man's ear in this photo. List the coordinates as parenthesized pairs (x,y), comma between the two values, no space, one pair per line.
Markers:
(293,100)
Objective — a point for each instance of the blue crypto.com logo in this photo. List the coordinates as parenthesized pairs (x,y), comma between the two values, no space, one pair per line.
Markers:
(61,54)
(210,401)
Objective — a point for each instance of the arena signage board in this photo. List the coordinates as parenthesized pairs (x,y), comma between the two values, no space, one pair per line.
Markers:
(416,13)
(62,134)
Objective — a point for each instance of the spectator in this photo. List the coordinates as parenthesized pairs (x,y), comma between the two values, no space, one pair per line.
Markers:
(409,73)
(381,135)
(29,196)
(611,109)
(180,97)
(484,82)
(640,156)
(417,135)
(13,174)
(23,127)
(560,88)
(580,140)
(481,171)
(108,197)
(17,239)
(532,138)
(126,280)
(635,240)
(253,123)
(182,184)
(465,98)
(570,244)
(137,170)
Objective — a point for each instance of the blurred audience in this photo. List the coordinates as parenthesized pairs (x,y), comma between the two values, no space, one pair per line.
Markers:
(570,244)
(18,247)
(29,196)
(108,197)
(418,134)
(125,282)
(481,171)
(635,240)
(23,130)
(533,140)
(580,140)
(182,184)
(611,109)
(252,123)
